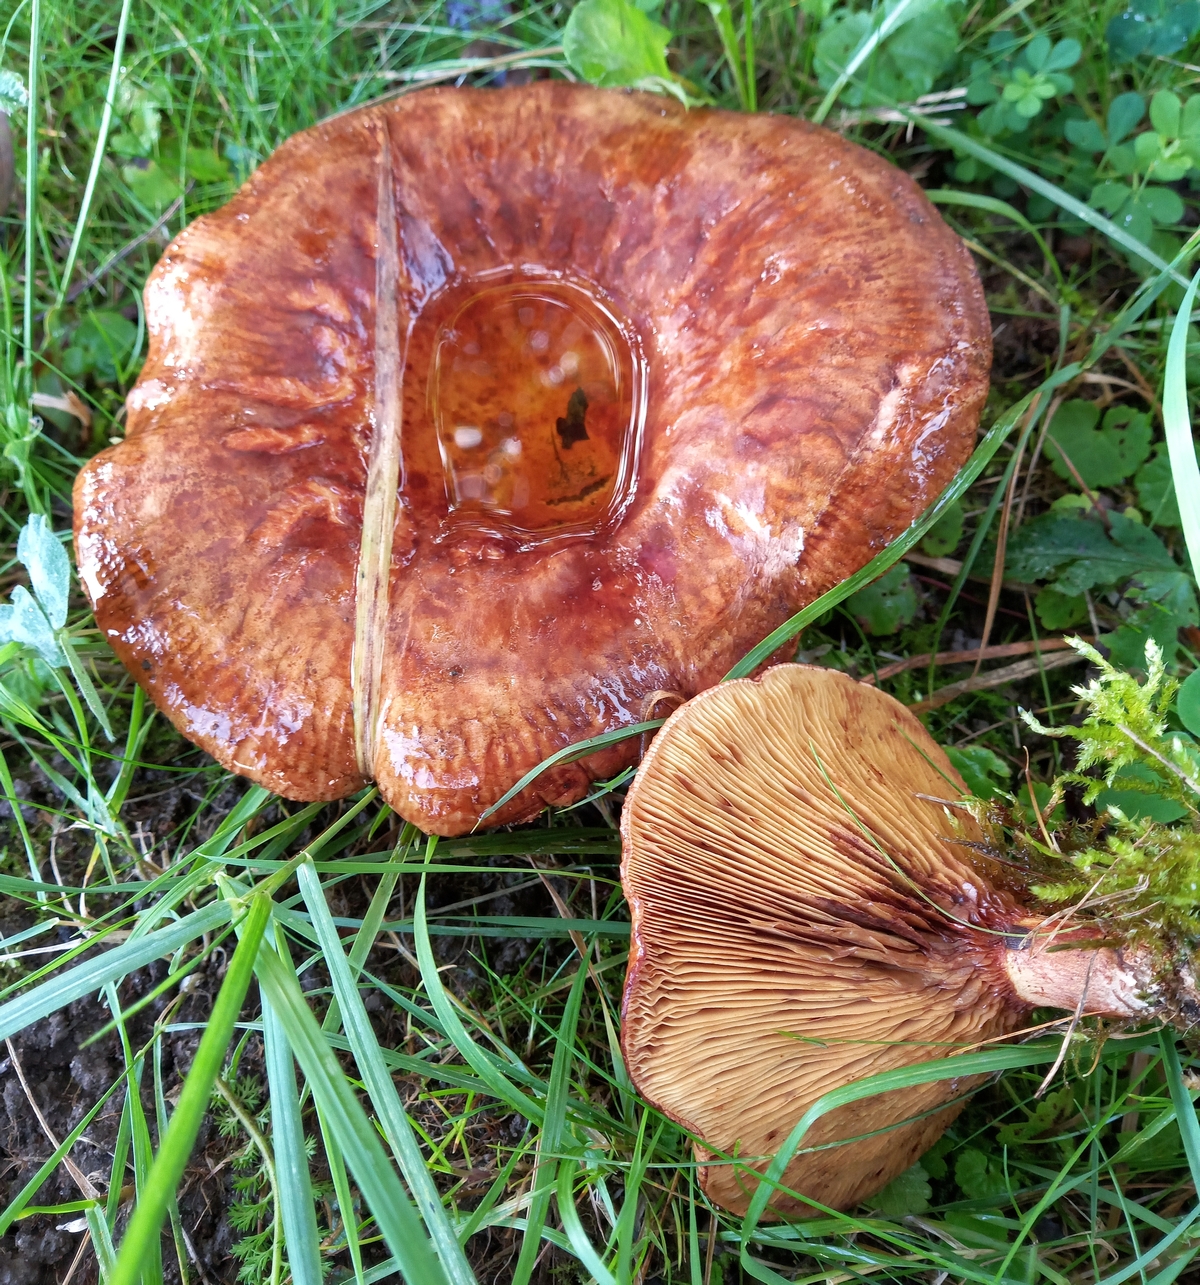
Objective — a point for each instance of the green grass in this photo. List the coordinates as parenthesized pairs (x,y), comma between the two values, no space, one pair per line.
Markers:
(430,1080)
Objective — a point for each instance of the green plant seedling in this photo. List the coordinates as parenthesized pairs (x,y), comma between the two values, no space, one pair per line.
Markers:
(1102,453)
(888,604)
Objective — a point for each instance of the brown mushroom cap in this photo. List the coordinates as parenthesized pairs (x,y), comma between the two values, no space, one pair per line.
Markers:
(780,360)
(806,914)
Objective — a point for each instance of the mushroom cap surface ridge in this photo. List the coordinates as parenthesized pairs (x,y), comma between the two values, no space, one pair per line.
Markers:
(814,347)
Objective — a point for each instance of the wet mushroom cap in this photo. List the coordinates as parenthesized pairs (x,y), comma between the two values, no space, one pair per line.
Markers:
(658,379)
(805,914)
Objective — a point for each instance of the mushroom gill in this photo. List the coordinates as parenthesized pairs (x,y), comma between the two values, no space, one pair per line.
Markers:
(479,415)
(806,913)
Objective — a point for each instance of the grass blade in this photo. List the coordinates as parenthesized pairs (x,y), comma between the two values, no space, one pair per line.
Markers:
(1181,446)
(141,1236)
(551,1139)
(904,542)
(301,1240)
(377,1078)
(363,1152)
(585,1251)
(959,142)
(93,974)
(498,1084)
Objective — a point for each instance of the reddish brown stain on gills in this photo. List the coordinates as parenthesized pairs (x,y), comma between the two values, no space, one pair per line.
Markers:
(812,348)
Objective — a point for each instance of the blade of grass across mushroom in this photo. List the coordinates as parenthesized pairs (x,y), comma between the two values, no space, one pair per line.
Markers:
(142,1233)
(993,205)
(378,1080)
(1181,446)
(979,460)
(987,1062)
(398,1221)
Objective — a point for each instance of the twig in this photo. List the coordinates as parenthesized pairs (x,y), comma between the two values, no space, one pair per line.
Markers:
(81,1180)
(999,652)
(1062,1052)
(997,677)
(1178,771)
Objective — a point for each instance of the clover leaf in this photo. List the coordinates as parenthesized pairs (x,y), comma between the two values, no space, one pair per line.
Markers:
(1153,28)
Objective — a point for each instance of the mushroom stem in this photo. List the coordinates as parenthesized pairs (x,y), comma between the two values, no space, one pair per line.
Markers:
(1058,971)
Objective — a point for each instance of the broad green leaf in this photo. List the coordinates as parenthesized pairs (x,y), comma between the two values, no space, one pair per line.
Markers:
(49,568)
(141,1236)
(888,604)
(1102,455)
(613,43)
(1156,489)
(1086,135)
(1144,802)
(24,622)
(1187,703)
(945,537)
(1057,611)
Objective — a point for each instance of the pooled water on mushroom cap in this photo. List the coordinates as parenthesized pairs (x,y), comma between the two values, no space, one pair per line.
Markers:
(535,394)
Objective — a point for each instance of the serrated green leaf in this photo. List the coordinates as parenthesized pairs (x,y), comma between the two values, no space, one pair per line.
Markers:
(1102,453)
(1057,611)
(888,604)
(612,43)
(985,773)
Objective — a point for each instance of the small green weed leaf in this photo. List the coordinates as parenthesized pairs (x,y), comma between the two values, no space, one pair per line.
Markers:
(904,66)
(1125,114)
(1048,1116)
(1152,28)
(1086,135)
(1187,703)
(152,185)
(907,1193)
(14,97)
(1166,112)
(205,166)
(24,622)
(978,1175)
(613,43)
(986,774)
(101,345)
(1103,455)
(1156,489)
(141,107)
(1164,205)
(888,604)
(944,537)
(49,568)
(1076,554)
(1137,791)
(1057,611)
